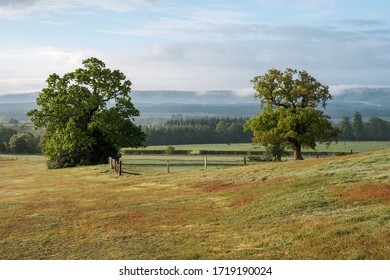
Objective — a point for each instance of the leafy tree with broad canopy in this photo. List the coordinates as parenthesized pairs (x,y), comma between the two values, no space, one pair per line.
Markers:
(289,100)
(87,115)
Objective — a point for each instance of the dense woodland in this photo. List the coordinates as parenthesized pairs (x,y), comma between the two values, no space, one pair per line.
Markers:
(209,130)
(230,130)
(20,139)
(375,129)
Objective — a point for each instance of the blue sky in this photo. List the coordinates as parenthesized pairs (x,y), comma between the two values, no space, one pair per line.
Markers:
(195,45)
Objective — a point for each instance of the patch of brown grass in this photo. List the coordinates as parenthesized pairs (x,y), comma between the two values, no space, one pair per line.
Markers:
(221,185)
(366,193)
(241,201)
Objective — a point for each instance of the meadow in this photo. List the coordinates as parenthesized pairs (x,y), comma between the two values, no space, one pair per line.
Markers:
(362,146)
(153,160)
(326,208)
(147,165)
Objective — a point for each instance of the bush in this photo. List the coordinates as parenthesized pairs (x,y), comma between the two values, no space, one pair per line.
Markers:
(275,152)
(259,158)
(170,150)
(24,143)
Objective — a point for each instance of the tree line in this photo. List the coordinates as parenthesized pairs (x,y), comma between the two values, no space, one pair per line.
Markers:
(218,130)
(19,140)
(207,130)
(375,129)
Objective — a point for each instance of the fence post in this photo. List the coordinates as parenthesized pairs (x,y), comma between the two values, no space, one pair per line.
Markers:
(115,165)
(244,160)
(205,163)
(351,152)
(168,165)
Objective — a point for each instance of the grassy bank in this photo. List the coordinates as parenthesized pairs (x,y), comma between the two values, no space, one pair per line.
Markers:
(333,208)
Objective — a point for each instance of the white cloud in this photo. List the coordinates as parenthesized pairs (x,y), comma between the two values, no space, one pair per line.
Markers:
(197,23)
(17,9)
(362,22)
(26,70)
(333,57)
(339,89)
(17,3)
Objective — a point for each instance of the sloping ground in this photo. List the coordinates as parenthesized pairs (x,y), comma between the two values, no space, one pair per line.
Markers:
(335,208)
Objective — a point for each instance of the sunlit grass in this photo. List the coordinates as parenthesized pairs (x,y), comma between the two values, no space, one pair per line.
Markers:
(341,146)
(330,208)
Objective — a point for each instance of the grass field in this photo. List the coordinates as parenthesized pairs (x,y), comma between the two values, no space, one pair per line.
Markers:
(147,165)
(327,208)
(152,164)
(247,147)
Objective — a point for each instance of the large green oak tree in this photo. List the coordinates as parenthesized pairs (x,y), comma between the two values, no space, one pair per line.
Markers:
(87,115)
(290,116)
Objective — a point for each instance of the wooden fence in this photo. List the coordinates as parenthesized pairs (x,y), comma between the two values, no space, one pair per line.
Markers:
(128,168)
(115,165)
(121,168)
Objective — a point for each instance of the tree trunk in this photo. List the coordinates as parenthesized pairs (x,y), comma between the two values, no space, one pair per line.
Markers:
(297,151)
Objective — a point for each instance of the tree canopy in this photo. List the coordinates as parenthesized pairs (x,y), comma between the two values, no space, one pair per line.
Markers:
(289,100)
(24,143)
(87,115)
(205,130)
(357,126)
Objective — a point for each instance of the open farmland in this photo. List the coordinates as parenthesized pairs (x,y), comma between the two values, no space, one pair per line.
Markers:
(327,208)
(147,165)
(362,146)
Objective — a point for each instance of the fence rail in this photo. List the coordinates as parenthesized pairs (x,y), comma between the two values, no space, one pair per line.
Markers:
(136,165)
(31,158)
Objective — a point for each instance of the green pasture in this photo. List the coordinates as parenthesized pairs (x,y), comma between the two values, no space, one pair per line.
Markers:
(31,158)
(160,164)
(364,146)
(153,164)
(326,208)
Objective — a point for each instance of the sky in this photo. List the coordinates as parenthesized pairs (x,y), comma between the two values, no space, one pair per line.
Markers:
(195,45)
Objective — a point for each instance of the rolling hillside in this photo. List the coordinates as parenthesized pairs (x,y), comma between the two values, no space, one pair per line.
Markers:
(333,208)
(159,106)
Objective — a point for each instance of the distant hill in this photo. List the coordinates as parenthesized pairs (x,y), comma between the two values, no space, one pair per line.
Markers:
(368,101)
(190,97)
(159,106)
(18,98)
(369,97)
(157,97)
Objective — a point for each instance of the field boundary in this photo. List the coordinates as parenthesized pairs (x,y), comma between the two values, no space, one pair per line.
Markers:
(166,163)
(232,153)
(31,158)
